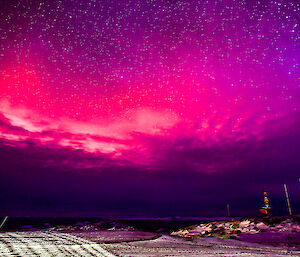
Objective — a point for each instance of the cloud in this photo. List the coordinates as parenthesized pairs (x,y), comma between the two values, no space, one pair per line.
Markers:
(146,138)
(148,165)
(113,138)
(40,180)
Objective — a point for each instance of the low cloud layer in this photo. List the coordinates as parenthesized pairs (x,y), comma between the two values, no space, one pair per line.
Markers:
(157,176)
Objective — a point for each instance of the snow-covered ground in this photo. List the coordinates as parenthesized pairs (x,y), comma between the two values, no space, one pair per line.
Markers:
(39,243)
(51,243)
(170,246)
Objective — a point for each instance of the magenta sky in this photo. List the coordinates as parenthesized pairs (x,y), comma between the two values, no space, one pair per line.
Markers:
(165,100)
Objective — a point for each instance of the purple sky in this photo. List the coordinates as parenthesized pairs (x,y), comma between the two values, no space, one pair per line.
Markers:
(148,107)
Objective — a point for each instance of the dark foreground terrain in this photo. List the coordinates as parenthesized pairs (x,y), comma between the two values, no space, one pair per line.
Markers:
(115,238)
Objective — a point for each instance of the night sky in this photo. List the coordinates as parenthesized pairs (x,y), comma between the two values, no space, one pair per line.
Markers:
(148,107)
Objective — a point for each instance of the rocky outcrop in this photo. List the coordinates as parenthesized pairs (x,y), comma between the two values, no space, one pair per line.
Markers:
(234,228)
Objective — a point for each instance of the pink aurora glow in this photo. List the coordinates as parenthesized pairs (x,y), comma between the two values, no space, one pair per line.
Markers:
(206,83)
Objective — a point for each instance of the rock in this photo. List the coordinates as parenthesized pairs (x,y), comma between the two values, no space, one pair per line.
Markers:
(225,229)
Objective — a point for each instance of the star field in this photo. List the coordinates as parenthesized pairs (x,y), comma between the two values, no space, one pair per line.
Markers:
(96,75)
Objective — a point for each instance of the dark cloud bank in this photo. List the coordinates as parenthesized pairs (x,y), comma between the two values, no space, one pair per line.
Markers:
(56,181)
